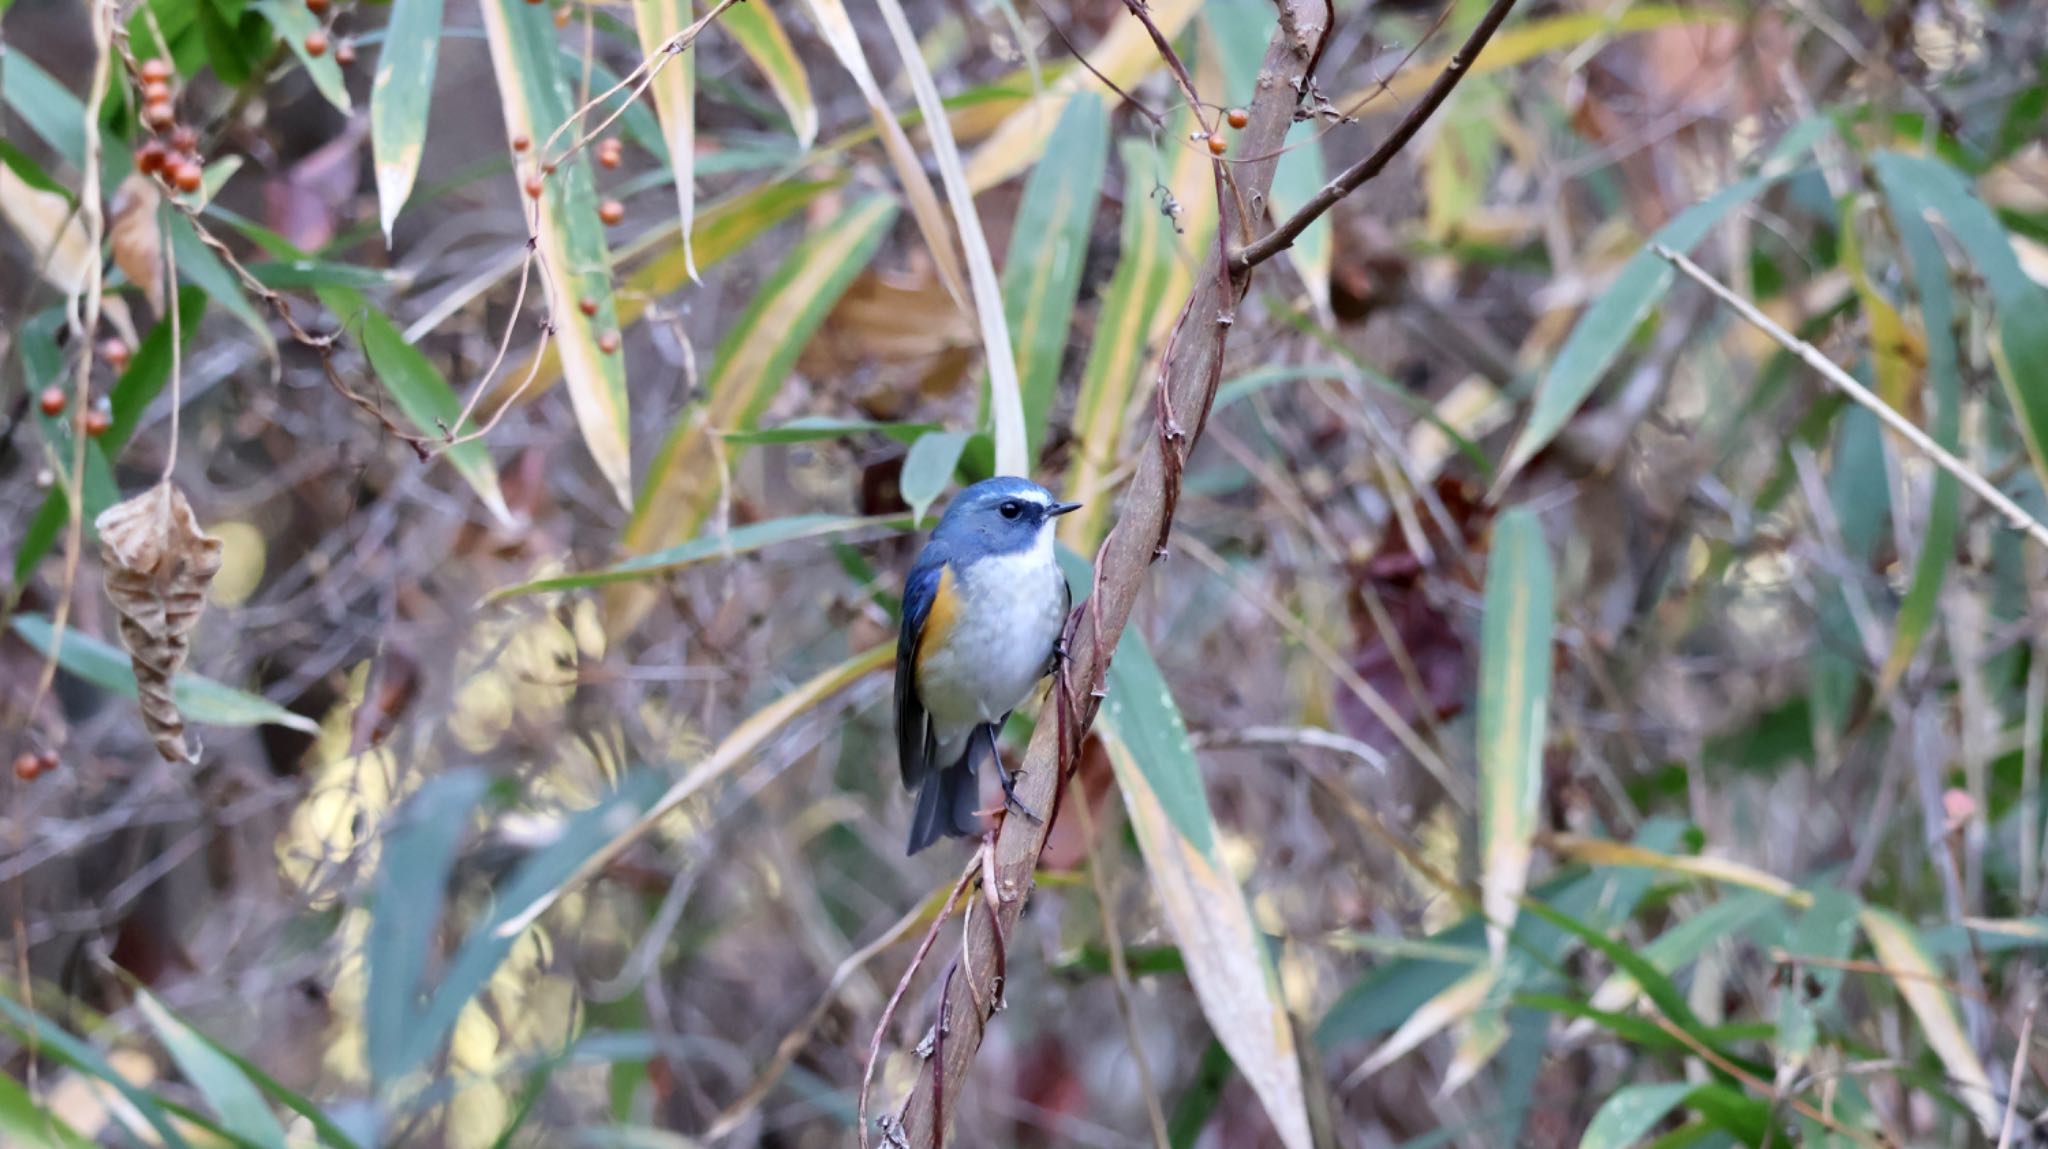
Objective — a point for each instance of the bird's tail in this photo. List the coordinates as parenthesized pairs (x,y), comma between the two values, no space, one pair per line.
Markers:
(947,798)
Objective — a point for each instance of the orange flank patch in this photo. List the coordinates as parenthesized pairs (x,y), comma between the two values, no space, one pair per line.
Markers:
(938,622)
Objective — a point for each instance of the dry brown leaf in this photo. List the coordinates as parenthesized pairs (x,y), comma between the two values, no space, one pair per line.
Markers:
(158,566)
(138,245)
(52,231)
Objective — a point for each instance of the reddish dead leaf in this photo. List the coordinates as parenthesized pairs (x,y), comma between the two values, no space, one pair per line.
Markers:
(159,564)
(138,244)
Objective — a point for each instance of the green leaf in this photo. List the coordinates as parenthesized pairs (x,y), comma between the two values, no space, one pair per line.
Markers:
(400,97)
(1600,334)
(1921,983)
(300,274)
(1117,356)
(419,389)
(60,1046)
(811,428)
(1915,185)
(201,700)
(1827,931)
(928,469)
(574,258)
(201,268)
(1226,955)
(46,106)
(412,879)
(28,1125)
(298,1103)
(706,548)
(294,22)
(1514,698)
(1629,1115)
(32,173)
(1048,249)
(675,102)
(241,1109)
(750,365)
(761,37)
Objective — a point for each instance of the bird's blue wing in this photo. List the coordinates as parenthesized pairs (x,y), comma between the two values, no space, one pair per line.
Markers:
(913,744)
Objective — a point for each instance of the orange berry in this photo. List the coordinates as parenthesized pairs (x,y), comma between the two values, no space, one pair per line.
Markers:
(185,138)
(345,53)
(156,71)
(608,342)
(46,762)
(150,157)
(27,766)
(1238,117)
(587,306)
(97,422)
(188,176)
(159,115)
(156,92)
(317,7)
(561,16)
(1218,145)
(534,186)
(316,43)
(612,212)
(51,401)
(608,154)
(115,353)
(521,143)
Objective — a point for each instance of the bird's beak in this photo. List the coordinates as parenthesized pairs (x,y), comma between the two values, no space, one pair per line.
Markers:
(1058,509)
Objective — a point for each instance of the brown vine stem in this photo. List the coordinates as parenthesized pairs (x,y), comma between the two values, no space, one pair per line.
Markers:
(1121,568)
(1352,178)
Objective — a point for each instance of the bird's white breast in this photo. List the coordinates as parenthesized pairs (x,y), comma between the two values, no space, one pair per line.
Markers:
(1010,613)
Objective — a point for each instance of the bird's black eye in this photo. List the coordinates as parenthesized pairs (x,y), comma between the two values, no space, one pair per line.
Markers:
(1011,509)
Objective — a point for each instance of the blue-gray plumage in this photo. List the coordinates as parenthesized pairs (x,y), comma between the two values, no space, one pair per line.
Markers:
(982,611)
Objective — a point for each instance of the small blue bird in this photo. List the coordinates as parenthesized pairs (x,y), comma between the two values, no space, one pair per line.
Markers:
(982,613)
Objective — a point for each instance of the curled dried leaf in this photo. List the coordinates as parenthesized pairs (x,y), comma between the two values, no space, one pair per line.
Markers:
(159,564)
(138,245)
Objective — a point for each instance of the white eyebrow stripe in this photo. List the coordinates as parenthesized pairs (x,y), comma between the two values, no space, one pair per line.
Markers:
(1035,498)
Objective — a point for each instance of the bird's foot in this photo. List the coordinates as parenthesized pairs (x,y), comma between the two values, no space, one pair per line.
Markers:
(1010,799)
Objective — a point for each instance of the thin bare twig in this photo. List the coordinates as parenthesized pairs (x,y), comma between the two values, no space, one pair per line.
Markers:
(1862,396)
(1352,178)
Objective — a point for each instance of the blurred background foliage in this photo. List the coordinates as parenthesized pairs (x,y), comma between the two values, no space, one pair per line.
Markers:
(1562,719)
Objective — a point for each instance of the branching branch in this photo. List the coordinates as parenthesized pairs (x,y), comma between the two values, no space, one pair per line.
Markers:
(1350,179)
(1187,383)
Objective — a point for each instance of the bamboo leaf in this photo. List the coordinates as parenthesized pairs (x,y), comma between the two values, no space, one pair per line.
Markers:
(29,1125)
(708,548)
(1048,248)
(1938,549)
(62,1047)
(241,1109)
(294,22)
(1455,1002)
(1514,697)
(1601,333)
(675,102)
(1826,931)
(421,392)
(1226,956)
(1601,852)
(928,468)
(737,747)
(400,96)
(762,38)
(1117,356)
(749,366)
(1123,56)
(201,700)
(837,27)
(1921,983)
(1915,185)
(1629,1115)
(571,245)
(722,229)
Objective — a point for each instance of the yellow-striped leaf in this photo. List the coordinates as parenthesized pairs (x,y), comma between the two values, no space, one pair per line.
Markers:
(1006,403)
(837,28)
(750,365)
(1921,983)
(1514,697)
(761,37)
(399,98)
(573,256)
(1226,955)
(1117,357)
(675,102)
(1125,55)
